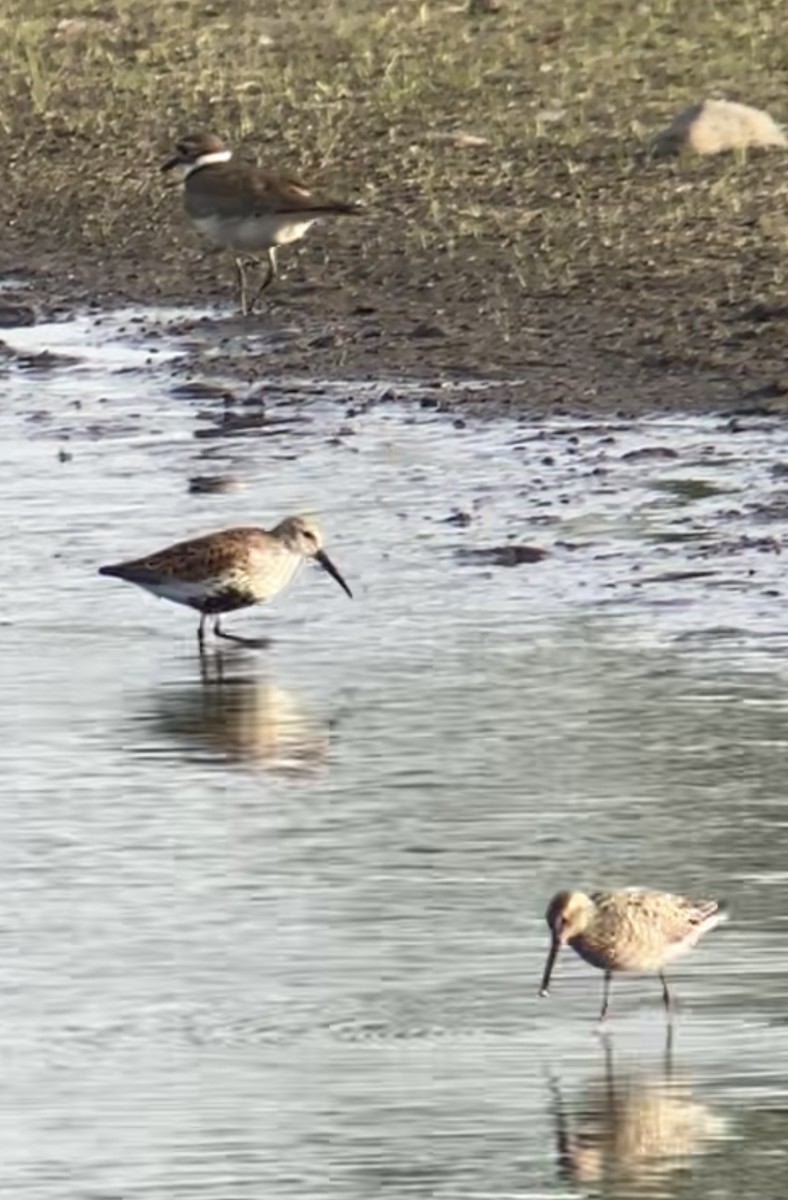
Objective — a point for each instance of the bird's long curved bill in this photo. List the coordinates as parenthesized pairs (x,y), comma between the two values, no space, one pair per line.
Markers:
(544,990)
(170,162)
(328,566)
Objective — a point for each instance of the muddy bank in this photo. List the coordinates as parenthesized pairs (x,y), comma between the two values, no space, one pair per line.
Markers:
(561,365)
(513,230)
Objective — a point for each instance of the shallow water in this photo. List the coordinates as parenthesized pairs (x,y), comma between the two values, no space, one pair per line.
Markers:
(272,922)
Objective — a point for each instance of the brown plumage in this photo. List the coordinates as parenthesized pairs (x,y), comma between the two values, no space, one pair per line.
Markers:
(232,569)
(245,208)
(627,930)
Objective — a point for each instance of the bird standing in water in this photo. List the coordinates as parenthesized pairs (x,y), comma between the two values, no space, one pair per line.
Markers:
(232,569)
(627,930)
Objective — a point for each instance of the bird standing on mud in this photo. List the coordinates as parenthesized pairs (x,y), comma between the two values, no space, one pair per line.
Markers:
(232,569)
(627,930)
(244,208)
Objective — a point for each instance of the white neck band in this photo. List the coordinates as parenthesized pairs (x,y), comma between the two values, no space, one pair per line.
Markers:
(216,156)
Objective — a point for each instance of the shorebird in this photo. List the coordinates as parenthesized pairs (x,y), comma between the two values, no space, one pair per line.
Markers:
(627,930)
(244,208)
(232,569)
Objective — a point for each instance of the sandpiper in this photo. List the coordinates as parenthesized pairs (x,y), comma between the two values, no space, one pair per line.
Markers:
(627,930)
(244,208)
(231,569)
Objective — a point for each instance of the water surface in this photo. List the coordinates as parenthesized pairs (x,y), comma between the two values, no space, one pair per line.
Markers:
(273,921)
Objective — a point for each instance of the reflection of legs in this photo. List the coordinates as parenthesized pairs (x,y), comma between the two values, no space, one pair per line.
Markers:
(668,1056)
(563,1135)
(610,1079)
(211,667)
(605,996)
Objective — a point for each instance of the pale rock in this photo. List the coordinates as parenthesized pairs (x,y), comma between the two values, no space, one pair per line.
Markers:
(716,125)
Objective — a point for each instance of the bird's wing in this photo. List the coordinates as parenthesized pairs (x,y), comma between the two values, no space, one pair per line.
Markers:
(195,559)
(248,190)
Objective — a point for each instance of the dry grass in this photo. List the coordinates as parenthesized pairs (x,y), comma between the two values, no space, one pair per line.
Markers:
(499,151)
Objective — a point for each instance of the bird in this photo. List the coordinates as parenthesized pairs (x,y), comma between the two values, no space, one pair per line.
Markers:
(245,208)
(231,569)
(630,929)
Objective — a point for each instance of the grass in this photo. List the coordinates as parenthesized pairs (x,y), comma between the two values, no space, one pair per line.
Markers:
(498,151)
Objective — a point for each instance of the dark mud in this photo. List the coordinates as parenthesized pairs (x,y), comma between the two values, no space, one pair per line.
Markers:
(513,231)
(563,362)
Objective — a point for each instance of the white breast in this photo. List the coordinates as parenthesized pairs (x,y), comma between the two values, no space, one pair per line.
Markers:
(254,233)
(272,572)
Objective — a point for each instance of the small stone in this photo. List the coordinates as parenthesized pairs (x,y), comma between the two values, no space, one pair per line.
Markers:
(12,316)
(644,452)
(425,330)
(197,389)
(714,126)
(503,556)
(458,517)
(207,484)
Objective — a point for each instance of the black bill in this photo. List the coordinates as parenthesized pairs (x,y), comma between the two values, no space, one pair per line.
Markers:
(544,990)
(328,566)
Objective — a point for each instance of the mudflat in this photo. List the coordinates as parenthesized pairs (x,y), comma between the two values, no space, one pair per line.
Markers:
(514,228)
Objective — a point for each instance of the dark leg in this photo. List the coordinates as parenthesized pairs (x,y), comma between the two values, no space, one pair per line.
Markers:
(605,996)
(273,271)
(268,278)
(666,997)
(243,299)
(201,631)
(259,643)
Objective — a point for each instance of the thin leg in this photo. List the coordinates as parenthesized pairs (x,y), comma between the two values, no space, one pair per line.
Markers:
(259,643)
(666,996)
(201,631)
(269,276)
(240,272)
(273,270)
(605,996)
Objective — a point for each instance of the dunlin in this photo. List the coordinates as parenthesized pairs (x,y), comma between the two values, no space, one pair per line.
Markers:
(244,208)
(627,930)
(232,569)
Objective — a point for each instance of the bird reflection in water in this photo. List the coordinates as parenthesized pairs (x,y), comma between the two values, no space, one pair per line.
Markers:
(629,1131)
(235,713)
